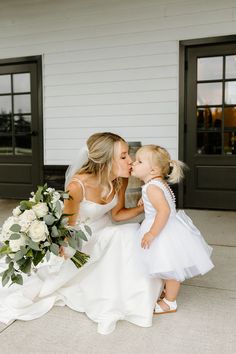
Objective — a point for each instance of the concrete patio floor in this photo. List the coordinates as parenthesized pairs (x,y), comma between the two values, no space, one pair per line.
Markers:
(205,321)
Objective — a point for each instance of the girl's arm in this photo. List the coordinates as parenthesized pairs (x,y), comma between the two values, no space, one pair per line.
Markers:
(71,206)
(119,212)
(159,202)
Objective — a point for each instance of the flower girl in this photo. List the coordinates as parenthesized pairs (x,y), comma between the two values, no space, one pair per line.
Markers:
(172,248)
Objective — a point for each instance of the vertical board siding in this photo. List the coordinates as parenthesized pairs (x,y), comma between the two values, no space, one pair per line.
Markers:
(109,65)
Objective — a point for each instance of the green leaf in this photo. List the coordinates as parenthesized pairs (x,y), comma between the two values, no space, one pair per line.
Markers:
(88,230)
(63,243)
(54,248)
(26,205)
(15,228)
(5,280)
(10,267)
(30,253)
(33,245)
(55,232)
(18,279)
(15,236)
(48,255)
(5,249)
(18,255)
(8,259)
(81,234)
(58,207)
(38,256)
(38,194)
(72,242)
(5,274)
(21,261)
(49,219)
(26,266)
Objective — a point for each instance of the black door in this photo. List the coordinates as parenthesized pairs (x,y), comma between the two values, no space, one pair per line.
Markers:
(210,130)
(20,127)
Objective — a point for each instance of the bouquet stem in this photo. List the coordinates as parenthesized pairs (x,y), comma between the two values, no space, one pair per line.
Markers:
(79,258)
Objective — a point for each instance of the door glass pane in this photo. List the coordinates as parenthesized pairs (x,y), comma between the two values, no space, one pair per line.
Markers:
(208,143)
(230,117)
(6,145)
(21,82)
(5,83)
(230,92)
(230,143)
(5,104)
(209,118)
(22,123)
(22,104)
(5,124)
(209,93)
(230,67)
(210,68)
(23,144)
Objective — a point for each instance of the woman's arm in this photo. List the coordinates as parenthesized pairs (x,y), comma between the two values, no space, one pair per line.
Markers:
(159,202)
(119,212)
(71,206)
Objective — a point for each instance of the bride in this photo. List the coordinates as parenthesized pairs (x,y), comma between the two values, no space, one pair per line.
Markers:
(109,287)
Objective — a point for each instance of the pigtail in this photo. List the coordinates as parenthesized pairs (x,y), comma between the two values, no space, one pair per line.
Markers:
(177,171)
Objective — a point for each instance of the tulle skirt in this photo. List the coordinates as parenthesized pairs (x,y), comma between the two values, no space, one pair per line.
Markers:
(179,252)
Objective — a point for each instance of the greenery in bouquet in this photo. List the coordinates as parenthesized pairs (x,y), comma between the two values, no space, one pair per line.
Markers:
(37,228)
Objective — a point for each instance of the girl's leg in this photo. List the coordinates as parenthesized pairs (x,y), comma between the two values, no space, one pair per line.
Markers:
(171,292)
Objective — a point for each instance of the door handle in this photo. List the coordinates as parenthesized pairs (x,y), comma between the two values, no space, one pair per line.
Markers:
(33,133)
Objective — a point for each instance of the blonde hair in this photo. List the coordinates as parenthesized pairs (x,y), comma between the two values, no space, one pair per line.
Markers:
(100,161)
(172,170)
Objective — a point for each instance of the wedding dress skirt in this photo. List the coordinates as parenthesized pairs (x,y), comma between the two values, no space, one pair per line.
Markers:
(108,288)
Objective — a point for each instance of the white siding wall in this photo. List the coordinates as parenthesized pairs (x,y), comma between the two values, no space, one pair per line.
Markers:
(109,65)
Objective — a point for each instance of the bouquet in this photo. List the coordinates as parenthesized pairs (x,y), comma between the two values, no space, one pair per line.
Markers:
(36,229)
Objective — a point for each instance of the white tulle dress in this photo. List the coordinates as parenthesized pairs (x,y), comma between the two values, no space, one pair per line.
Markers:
(108,288)
(179,251)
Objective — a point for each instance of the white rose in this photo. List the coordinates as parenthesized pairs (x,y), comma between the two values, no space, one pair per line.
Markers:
(6,232)
(16,244)
(26,218)
(55,197)
(16,211)
(50,190)
(40,209)
(38,231)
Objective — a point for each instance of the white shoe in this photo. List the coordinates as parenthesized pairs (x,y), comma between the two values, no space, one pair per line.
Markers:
(172,307)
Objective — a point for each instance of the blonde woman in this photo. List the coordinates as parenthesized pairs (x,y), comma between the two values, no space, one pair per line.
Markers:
(109,287)
(169,245)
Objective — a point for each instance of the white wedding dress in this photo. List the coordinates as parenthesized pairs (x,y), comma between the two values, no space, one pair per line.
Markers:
(108,288)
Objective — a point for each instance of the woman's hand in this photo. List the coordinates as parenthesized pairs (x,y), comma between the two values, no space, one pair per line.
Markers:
(147,240)
(67,252)
(140,202)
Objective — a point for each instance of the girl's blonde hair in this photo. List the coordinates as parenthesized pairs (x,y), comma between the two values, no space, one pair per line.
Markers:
(172,170)
(100,161)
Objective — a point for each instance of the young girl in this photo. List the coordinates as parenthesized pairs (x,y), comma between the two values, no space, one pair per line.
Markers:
(172,248)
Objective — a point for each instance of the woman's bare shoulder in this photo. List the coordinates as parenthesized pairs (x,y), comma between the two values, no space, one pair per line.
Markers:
(75,190)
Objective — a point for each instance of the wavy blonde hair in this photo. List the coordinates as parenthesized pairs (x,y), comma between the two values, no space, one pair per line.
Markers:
(100,161)
(171,170)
